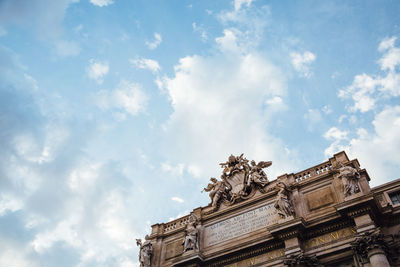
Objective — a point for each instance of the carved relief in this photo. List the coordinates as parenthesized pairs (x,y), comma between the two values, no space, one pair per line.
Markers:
(191,241)
(301,260)
(146,252)
(349,177)
(282,202)
(239,180)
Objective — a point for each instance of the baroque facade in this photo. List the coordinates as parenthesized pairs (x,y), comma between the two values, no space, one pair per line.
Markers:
(326,215)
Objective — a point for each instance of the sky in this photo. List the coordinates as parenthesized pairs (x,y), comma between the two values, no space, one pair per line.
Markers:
(114,114)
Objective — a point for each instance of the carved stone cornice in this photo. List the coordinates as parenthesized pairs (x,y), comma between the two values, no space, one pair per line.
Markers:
(364,204)
(302,260)
(190,259)
(358,212)
(286,229)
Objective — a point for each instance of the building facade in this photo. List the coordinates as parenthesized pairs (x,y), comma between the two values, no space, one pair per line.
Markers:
(326,215)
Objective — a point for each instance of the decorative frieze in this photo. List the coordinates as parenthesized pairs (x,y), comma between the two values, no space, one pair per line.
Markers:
(263,258)
(301,260)
(329,237)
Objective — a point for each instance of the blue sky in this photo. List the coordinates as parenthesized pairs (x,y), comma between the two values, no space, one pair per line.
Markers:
(115,113)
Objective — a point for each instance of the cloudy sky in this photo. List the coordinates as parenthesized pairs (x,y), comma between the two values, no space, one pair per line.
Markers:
(115,113)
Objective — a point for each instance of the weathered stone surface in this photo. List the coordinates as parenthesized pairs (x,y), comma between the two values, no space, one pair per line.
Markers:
(326,215)
(173,249)
(320,198)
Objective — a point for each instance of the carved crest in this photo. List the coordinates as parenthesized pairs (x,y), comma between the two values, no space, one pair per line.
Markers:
(239,180)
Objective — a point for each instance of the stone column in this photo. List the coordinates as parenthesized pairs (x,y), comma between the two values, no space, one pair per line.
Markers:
(372,246)
(377,258)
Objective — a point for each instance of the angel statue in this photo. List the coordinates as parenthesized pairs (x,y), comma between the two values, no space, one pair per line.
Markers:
(191,241)
(146,251)
(282,202)
(349,177)
(257,175)
(216,189)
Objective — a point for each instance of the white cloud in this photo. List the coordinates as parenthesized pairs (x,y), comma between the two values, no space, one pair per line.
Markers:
(9,203)
(145,63)
(239,3)
(157,41)
(67,48)
(327,109)
(15,257)
(249,22)
(367,90)
(84,177)
(392,57)
(376,150)
(361,90)
(101,3)
(337,137)
(194,170)
(97,70)
(301,63)
(200,29)
(177,199)
(221,105)
(228,43)
(174,170)
(335,134)
(275,103)
(127,97)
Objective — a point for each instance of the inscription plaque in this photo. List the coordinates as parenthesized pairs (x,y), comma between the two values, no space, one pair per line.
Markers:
(241,224)
(259,259)
(330,237)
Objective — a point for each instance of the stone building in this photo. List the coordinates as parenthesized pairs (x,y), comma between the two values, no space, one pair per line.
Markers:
(326,215)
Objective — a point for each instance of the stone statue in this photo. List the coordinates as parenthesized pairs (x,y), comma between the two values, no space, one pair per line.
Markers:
(282,202)
(257,175)
(234,164)
(191,241)
(239,181)
(146,251)
(216,189)
(349,177)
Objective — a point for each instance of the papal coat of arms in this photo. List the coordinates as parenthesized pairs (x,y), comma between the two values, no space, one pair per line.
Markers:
(239,180)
